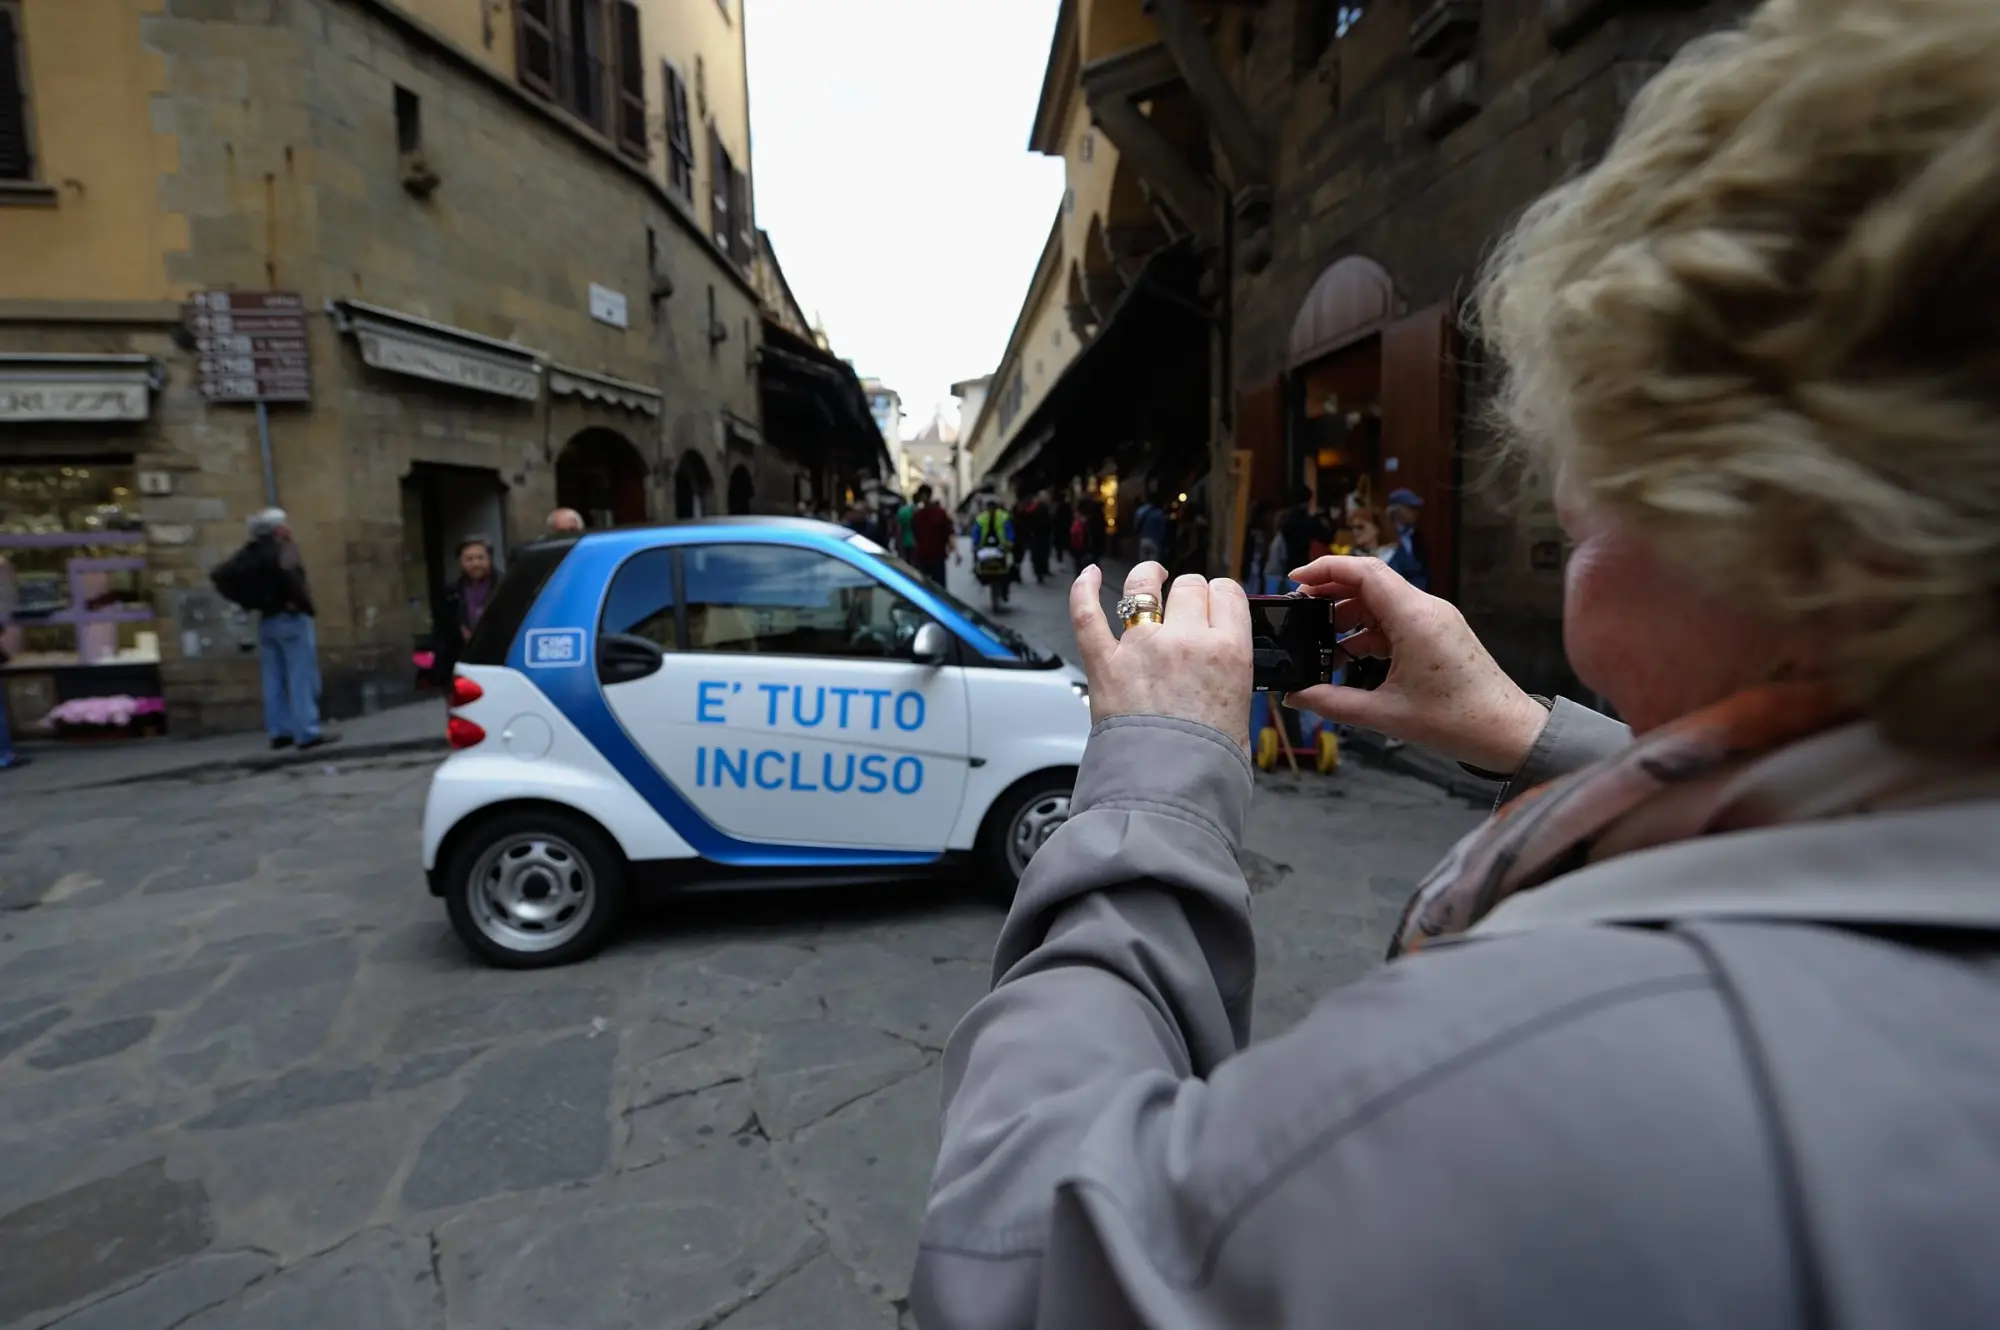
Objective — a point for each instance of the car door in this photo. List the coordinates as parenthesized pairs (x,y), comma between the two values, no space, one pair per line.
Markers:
(786,708)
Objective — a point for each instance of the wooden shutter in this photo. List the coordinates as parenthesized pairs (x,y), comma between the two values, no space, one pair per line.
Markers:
(1419,430)
(719,171)
(743,239)
(535,45)
(1260,431)
(680,133)
(631,83)
(17,162)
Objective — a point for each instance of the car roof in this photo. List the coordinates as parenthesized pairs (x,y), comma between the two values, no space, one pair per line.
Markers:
(803,525)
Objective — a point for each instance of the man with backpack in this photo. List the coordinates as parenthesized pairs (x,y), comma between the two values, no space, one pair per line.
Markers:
(267,575)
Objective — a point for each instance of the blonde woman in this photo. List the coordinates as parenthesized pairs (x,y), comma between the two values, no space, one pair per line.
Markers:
(1703,1027)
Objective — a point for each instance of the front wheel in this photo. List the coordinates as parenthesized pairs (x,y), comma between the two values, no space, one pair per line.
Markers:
(996,594)
(535,889)
(1019,824)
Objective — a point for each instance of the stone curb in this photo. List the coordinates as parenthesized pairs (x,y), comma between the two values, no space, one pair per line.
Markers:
(1428,767)
(336,752)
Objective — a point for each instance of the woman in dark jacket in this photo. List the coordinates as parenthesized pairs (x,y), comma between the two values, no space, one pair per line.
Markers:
(465,603)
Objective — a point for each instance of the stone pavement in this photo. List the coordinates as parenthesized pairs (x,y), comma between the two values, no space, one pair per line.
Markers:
(249,1080)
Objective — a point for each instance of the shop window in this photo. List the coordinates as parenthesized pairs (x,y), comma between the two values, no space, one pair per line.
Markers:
(680,134)
(17,158)
(73,567)
(771,600)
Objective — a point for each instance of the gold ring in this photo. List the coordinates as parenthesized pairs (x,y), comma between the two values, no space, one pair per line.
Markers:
(1140,607)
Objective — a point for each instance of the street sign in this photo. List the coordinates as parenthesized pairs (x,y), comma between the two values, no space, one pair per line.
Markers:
(251,346)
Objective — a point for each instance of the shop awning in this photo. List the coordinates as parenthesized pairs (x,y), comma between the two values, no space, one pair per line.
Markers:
(406,344)
(1144,374)
(37,387)
(814,406)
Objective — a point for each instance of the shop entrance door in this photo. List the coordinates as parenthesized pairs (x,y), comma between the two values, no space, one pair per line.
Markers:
(442,507)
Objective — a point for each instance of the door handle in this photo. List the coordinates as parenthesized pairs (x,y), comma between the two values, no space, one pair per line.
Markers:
(621,658)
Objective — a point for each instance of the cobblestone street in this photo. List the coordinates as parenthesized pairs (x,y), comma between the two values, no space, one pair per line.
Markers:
(249,1079)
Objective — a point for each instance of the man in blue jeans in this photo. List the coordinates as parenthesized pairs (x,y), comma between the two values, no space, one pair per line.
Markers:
(287,645)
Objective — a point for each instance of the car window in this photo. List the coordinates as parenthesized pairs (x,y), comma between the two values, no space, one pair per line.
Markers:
(783,601)
(1022,648)
(641,599)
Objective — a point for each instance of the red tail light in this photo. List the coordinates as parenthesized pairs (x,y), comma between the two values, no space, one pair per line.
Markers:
(463,733)
(464,691)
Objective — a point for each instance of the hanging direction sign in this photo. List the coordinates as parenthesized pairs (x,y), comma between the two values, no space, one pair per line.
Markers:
(250,346)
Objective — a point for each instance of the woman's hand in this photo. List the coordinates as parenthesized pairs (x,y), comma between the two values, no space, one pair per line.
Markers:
(1443,691)
(1195,666)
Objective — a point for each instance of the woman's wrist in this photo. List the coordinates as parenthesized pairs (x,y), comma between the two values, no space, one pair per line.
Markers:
(1512,740)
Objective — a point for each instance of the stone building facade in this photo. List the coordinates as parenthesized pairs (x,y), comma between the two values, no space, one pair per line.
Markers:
(1337,170)
(508,306)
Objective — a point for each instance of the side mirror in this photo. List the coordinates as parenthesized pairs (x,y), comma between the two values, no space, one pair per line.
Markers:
(931,645)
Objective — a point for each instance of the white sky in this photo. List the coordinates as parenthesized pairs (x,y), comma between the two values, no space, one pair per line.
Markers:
(890,142)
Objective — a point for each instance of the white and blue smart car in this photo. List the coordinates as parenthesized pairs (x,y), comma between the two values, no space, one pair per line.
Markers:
(732,702)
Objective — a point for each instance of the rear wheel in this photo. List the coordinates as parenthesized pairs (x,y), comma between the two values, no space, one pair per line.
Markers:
(1019,825)
(535,888)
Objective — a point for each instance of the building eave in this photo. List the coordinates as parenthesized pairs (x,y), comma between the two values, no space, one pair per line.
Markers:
(1038,287)
(1059,85)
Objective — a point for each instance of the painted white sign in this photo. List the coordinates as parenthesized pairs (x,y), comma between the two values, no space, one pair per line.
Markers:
(68,398)
(423,358)
(608,306)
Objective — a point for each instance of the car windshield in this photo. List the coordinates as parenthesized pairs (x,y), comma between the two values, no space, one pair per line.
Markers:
(999,632)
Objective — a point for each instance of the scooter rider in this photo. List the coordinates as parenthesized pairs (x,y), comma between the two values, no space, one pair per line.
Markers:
(994,529)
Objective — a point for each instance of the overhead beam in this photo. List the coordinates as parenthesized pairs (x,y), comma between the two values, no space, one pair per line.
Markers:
(1182,33)
(1160,164)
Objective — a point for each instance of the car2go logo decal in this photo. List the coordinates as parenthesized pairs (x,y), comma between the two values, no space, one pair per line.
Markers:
(846,711)
(554,648)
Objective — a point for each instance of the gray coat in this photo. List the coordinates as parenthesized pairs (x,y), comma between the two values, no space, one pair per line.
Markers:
(1750,1081)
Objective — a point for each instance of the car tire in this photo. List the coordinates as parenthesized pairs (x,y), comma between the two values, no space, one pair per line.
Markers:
(1020,821)
(531,889)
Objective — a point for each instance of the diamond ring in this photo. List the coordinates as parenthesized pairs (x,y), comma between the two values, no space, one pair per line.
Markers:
(1143,607)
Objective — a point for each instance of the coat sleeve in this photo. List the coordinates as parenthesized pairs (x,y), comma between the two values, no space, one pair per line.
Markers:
(1123,971)
(1573,737)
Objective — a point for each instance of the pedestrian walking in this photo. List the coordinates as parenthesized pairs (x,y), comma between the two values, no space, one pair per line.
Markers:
(906,528)
(1407,556)
(935,538)
(465,603)
(1060,516)
(1698,1027)
(1151,526)
(269,576)
(1038,530)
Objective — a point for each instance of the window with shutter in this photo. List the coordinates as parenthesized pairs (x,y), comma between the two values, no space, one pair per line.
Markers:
(720,169)
(631,84)
(586,65)
(535,45)
(680,134)
(743,240)
(17,161)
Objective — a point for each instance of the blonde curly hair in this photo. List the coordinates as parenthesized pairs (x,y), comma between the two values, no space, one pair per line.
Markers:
(1765,332)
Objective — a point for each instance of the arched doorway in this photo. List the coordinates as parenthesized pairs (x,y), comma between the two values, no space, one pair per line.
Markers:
(741,492)
(694,489)
(601,475)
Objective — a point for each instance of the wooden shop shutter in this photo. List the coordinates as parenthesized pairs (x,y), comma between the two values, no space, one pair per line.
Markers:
(631,83)
(1420,430)
(535,43)
(1260,431)
(680,134)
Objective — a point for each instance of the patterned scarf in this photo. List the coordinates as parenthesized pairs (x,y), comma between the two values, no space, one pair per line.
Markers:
(1778,753)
